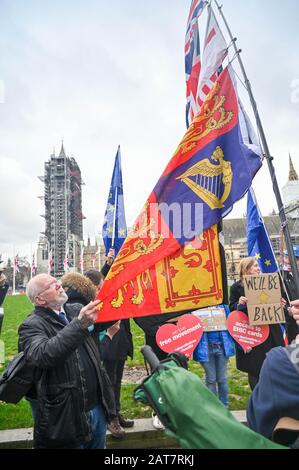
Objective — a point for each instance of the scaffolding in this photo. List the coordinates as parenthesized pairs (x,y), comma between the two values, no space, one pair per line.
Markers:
(63,210)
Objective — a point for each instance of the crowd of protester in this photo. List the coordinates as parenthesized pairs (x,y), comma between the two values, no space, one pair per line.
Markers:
(78,364)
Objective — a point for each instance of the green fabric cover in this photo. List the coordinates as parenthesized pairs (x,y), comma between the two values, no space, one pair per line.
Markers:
(194,415)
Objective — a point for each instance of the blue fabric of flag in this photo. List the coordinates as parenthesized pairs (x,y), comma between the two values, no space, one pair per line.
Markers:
(115,228)
(259,244)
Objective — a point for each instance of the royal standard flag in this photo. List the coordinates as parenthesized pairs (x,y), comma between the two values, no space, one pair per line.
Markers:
(211,169)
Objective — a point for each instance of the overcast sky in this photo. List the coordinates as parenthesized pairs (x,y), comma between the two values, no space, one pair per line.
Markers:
(99,74)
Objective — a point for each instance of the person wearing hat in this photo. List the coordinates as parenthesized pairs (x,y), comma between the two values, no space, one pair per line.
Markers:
(292,329)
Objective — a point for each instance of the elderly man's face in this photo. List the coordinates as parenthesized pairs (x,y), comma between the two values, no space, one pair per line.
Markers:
(51,293)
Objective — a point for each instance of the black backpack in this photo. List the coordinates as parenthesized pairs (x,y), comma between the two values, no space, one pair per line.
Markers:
(16,380)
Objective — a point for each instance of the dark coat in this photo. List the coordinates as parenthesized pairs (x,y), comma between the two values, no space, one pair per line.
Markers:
(51,347)
(3,292)
(291,325)
(253,361)
(121,345)
(276,394)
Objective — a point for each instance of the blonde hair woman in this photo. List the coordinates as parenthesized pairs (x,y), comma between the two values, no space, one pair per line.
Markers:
(252,360)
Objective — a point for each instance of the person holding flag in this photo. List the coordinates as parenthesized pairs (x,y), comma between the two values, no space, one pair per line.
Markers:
(121,345)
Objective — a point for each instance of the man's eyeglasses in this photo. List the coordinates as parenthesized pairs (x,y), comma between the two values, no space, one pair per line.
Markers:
(54,285)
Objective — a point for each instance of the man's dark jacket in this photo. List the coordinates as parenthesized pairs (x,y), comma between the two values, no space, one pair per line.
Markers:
(121,345)
(52,347)
(277,393)
(3,292)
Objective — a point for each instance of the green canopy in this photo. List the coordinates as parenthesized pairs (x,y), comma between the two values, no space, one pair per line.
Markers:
(193,414)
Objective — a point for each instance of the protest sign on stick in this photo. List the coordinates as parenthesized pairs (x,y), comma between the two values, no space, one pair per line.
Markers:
(264,294)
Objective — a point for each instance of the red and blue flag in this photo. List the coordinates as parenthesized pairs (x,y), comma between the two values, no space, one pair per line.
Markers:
(211,169)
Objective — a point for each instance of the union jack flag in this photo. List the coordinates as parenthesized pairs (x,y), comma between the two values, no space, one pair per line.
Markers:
(33,265)
(17,264)
(192,58)
(214,52)
(50,261)
(93,259)
(66,261)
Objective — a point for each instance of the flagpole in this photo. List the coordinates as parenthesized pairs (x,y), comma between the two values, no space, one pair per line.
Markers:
(14,274)
(269,158)
(114,219)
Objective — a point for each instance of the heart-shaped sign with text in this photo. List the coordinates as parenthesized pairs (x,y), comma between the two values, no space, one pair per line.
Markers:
(244,334)
(182,337)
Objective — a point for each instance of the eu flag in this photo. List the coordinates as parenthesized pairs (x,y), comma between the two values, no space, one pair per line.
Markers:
(115,227)
(259,244)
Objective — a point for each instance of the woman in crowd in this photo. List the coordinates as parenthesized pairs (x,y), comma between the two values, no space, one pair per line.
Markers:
(252,360)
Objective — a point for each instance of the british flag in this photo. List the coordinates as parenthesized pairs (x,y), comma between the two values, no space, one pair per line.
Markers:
(66,261)
(50,261)
(192,58)
(284,334)
(17,263)
(214,52)
(33,265)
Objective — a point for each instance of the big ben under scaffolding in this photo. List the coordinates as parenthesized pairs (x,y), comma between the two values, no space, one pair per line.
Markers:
(63,212)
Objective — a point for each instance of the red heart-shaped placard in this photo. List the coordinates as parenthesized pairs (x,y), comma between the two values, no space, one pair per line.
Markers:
(244,334)
(182,337)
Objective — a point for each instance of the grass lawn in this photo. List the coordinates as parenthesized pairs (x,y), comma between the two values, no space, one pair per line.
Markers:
(16,309)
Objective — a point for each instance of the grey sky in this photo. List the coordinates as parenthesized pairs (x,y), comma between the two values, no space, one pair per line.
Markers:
(100,74)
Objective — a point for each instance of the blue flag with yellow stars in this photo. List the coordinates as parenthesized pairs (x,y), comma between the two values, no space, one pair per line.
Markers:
(259,244)
(115,228)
